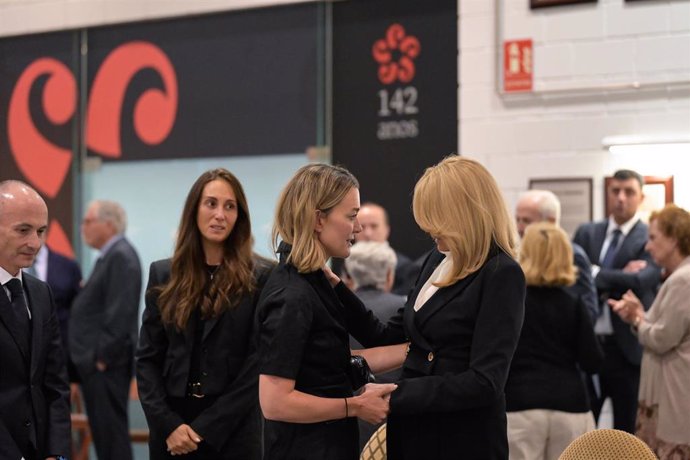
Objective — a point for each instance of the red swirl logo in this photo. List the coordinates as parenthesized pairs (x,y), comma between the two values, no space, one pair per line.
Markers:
(155,110)
(45,165)
(395,55)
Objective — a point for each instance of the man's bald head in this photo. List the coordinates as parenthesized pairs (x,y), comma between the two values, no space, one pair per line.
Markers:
(12,189)
(23,225)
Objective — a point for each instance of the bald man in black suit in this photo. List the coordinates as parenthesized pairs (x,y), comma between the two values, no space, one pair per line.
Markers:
(34,393)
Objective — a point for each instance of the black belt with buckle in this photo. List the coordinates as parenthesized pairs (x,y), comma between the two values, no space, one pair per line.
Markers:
(194,390)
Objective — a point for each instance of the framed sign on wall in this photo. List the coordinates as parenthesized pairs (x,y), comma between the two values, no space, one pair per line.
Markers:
(544,3)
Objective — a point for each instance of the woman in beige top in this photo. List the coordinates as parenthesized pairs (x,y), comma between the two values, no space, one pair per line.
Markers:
(663,416)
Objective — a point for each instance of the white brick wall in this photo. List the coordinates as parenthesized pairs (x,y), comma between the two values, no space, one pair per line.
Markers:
(517,136)
(559,134)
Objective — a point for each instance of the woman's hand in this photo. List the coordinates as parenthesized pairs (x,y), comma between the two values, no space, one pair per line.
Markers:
(183,440)
(281,402)
(372,405)
(629,308)
(330,276)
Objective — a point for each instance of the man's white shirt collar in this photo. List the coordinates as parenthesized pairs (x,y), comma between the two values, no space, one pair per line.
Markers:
(625,228)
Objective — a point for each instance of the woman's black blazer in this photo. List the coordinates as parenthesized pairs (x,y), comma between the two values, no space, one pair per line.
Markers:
(450,403)
(229,369)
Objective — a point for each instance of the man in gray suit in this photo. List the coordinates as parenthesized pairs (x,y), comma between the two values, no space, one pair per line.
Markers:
(543,205)
(103,329)
(34,394)
(616,247)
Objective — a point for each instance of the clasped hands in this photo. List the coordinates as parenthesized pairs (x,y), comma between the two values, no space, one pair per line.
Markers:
(373,403)
(183,440)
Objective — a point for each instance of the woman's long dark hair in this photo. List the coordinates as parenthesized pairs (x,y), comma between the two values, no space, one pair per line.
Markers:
(187,287)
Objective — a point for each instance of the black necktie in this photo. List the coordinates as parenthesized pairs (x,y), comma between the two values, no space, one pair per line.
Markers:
(607,261)
(21,311)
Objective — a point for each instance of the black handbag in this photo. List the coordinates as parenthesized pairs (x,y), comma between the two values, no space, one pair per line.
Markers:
(360,374)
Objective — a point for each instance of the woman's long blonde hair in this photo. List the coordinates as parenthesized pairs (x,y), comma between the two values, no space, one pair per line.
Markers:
(459,200)
(546,256)
(315,187)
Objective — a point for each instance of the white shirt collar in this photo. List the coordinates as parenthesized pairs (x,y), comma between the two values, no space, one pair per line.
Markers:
(5,276)
(625,228)
(439,273)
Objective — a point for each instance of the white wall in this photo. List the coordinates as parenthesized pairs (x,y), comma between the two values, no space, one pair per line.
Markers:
(592,49)
(545,134)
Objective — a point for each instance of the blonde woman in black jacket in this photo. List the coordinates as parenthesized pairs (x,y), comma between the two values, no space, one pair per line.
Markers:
(547,400)
(306,313)
(463,319)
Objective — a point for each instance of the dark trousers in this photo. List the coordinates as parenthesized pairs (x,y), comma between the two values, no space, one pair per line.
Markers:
(106,396)
(620,380)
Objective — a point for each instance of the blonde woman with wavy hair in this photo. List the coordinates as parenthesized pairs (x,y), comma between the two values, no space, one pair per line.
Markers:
(305,314)
(547,401)
(458,200)
(313,192)
(546,256)
(463,319)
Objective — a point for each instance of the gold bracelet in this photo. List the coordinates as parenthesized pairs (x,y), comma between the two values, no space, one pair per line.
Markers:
(347,411)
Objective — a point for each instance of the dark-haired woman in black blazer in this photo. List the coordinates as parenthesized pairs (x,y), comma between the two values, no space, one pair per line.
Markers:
(196,362)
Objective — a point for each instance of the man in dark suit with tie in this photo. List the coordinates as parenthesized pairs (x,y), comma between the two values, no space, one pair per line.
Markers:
(618,245)
(103,329)
(34,393)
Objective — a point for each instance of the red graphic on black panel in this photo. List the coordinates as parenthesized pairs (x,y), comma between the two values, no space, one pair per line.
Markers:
(154,112)
(45,165)
(395,55)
